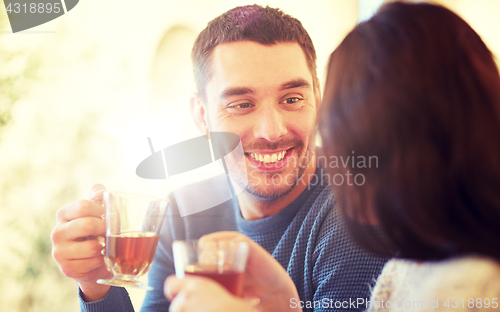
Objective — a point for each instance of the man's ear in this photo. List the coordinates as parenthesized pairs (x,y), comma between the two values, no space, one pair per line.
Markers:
(317,94)
(198,113)
(315,139)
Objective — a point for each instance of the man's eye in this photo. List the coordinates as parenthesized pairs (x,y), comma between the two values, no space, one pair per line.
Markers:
(241,108)
(242,105)
(291,100)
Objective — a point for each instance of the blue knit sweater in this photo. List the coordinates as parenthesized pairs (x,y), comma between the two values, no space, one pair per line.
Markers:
(307,238)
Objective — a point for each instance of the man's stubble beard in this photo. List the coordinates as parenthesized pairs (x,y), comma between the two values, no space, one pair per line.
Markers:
(240,177)
(288,182)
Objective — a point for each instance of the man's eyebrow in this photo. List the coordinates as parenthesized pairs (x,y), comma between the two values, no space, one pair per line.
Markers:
(296,83)
(235,91)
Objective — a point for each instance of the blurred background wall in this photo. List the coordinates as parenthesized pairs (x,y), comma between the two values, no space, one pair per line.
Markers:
(79,96)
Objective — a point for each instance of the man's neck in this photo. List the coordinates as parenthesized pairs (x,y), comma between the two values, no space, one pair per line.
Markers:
(253,208)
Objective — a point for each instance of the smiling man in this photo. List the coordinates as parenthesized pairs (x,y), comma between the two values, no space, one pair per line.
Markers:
(255,71)
(269,96)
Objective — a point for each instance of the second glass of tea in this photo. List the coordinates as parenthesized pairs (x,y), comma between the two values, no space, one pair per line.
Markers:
(133,228)
(222,261)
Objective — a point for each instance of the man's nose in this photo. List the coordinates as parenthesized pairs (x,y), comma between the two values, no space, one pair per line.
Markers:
(270,124)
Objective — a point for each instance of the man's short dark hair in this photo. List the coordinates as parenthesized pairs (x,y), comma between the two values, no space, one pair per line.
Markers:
(264,25)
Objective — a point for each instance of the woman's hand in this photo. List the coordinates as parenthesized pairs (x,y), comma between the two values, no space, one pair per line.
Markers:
(196,293)
(265,279)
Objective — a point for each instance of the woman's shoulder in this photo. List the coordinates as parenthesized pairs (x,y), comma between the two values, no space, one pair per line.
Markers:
(438,284)
(471,276)
(466,268)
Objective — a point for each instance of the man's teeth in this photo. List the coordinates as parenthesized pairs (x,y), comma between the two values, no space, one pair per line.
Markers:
(269,158)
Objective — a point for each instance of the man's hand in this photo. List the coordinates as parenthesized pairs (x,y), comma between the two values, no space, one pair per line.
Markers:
(75,244)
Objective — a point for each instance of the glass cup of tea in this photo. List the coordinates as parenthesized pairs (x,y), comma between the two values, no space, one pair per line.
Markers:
(222,261)
(133,227)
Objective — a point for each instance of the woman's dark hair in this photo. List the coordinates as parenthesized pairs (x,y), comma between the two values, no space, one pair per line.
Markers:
(418,89)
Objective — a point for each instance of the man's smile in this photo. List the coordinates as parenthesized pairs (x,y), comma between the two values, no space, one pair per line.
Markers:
(269,160)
